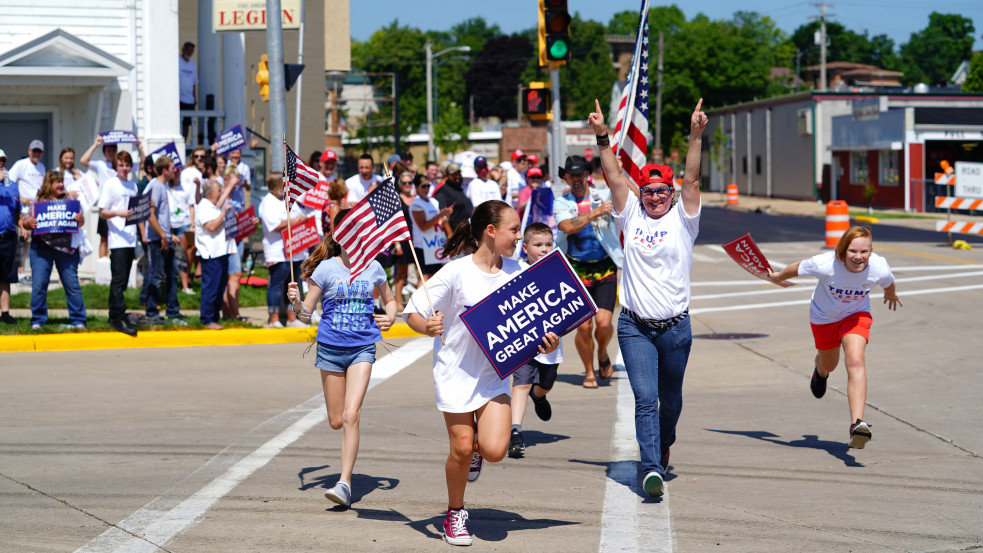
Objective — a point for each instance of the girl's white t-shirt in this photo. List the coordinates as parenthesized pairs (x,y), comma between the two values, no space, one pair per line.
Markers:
(655,278)
(463,378)
(840,293)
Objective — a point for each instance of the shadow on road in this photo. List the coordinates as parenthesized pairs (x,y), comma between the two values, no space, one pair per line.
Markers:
(836,449)
(628,474)
(487,524)
(362,484)
(535,437)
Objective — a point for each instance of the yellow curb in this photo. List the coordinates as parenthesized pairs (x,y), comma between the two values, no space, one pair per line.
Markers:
(865,218)
(169,339)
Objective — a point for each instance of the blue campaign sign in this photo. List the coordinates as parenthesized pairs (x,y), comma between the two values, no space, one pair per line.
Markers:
(118,137)
(232,139)
(170,150)
(57,216)
(509,324)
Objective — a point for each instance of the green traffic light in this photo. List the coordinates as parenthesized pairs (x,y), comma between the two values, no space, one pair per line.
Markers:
(559,49)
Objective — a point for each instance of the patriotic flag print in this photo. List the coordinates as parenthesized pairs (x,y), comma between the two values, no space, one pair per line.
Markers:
(631,132)
(371,226)
(298,177)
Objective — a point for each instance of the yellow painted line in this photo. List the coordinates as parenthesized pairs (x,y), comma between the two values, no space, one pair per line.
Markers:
(926,255)
(865,218)
(171,339)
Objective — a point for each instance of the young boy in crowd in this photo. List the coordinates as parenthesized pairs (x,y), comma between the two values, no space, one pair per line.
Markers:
(534,379)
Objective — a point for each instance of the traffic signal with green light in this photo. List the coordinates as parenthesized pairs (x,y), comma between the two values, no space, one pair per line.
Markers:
(556,18)
(263,78)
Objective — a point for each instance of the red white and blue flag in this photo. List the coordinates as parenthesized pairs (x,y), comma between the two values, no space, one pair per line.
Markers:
(631,132)
(372,226)
(297,175)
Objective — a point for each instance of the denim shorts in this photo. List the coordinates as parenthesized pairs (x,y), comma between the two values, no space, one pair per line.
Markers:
(235,260)
(337,359)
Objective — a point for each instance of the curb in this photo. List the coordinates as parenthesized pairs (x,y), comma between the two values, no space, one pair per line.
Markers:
(172,339)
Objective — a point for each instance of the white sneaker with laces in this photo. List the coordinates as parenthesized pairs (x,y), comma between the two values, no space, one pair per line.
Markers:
(341,494)
(475,471)
(275,324)
(297,323)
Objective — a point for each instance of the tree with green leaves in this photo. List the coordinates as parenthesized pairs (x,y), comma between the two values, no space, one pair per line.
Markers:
(494,76)
(844,45)
(933,54)
(974,80)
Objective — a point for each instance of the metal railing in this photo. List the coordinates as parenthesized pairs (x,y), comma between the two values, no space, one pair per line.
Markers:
(206,124)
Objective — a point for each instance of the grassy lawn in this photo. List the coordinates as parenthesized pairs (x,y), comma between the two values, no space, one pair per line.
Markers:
(101,324)
(884,215)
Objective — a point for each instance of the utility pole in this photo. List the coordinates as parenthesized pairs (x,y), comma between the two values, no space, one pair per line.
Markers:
(558,142)
(822,40)
(278,92)
(658,101)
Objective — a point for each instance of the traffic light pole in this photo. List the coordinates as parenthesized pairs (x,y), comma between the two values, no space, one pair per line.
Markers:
(557,141)
(278,92)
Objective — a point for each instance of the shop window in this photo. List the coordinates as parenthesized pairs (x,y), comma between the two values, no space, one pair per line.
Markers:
(757,165)
(888,161)
(858,168)
(744,163)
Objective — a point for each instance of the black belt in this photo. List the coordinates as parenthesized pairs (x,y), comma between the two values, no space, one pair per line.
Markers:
(658,323)
(8,233)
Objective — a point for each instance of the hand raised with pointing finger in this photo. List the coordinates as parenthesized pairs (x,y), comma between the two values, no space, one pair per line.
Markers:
(699,121)
(596,119)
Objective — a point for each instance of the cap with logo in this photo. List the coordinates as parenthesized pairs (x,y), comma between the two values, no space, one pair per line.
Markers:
(518,154)
(480,162)
(36,145)
(534,172)
(654,173)
(533,159)
(453,168)
(329,154)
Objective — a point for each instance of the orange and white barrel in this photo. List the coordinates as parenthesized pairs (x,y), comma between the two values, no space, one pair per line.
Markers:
(837,221)
(731,194)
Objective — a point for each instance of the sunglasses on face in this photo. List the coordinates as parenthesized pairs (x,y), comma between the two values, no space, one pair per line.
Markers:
(199,156)
(423,186)
(406,182)
(534,178)
(661,191)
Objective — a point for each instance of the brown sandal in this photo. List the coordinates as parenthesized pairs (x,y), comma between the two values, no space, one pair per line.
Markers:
(605,368)
(590,383)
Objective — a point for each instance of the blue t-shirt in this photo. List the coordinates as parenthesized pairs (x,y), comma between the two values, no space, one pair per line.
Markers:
(158,193)
(9,206)
(347,308)
(583,244)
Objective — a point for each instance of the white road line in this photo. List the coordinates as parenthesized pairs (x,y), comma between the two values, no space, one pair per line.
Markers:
(627,524)
(155,524)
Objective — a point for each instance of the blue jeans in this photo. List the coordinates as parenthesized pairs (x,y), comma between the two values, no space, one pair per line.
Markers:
(214,277)
(161,278)
(276,290)
(655,360)
(43,259)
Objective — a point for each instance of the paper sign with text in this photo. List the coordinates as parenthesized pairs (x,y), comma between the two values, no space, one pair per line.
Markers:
(229,224)
(509,324)
(747,254)
(232,139)
(118,137)
(317,197)
(88,191)
(304,236)
(170,150)
(57,216)
(245,223)
(141,209)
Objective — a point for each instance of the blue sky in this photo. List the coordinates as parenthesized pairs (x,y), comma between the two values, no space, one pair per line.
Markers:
(897,19)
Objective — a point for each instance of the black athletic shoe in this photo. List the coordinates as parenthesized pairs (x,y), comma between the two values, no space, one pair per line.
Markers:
(121,325)
(516,444)
(818,384)
(6,318)
(542,405)
(859,434)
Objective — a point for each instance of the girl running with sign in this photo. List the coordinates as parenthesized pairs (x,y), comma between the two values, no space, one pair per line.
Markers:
(347,317)
(468,388)
(840,315)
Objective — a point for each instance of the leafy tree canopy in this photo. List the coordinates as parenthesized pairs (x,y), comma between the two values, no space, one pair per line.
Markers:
(934,53)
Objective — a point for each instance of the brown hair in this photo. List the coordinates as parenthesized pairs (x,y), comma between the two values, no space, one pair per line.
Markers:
(162,164)
(325,249)
(122,156)
(849,236)
(337,190)
(51,177)
(468,234)
(274,182)
(536,229)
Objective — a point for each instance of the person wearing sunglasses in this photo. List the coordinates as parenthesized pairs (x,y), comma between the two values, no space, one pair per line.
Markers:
(429,229)
(654,326)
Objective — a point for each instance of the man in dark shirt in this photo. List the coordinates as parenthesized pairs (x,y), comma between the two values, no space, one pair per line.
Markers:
(452,194)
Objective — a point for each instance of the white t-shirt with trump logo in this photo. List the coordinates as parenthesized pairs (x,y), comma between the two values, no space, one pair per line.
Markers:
(658,260)
(840,293)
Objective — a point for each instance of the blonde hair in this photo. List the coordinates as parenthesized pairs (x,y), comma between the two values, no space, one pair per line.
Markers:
(230,170)
(849,236)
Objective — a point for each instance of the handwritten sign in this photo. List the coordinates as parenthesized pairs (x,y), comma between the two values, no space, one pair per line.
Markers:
(230,140)
(747,254)
(301,236)
(118,137)
(169,150)
(57,216)
(509,324)
(141,209)
(245,223)
(317,197)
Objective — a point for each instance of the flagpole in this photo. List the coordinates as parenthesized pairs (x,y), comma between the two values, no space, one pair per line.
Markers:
(419,270)
(286,201)
(633,84)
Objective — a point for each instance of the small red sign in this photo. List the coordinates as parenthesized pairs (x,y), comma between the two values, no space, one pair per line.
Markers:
(588,153)
(747,254)
(317,197)
(300,237)
(245,223)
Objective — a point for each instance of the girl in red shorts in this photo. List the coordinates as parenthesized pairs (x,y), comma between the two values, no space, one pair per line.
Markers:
(840,315)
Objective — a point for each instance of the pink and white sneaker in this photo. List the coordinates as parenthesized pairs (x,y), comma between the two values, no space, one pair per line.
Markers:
(475,471)
(456,527)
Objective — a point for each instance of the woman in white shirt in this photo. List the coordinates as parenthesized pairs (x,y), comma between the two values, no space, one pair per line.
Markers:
(840,315)
(214,249)
(273,215)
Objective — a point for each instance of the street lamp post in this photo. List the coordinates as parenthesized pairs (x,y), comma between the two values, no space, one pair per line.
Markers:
(428,48)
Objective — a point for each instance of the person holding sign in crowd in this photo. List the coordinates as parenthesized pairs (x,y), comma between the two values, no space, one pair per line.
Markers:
(346,336)
(468,388)
(654,326)
(214,247)
(840,315)
(536,378)
(160,248)
(428,229)
(122,238)
(55,249)
(273,215)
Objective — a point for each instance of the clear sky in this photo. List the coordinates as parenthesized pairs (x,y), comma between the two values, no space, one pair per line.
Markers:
(897,18)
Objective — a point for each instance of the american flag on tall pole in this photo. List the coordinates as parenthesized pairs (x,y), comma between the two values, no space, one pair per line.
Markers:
(298,177)
(631,132)
(371,226)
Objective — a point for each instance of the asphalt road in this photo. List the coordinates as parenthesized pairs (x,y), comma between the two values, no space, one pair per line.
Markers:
(225,448)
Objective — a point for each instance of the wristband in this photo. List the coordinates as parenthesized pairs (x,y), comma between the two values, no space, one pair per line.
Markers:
(603,140)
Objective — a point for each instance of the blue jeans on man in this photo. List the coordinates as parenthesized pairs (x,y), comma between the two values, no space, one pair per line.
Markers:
(276,290)
(655,360)
(161,279)
(43,258)
(214,278)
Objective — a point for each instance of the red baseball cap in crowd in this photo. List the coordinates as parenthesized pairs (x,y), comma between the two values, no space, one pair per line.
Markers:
(518,154)
(653,173)
(534,172)
(329,154)
(533,159)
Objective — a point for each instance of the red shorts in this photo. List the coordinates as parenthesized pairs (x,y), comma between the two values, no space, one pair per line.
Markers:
(828,336)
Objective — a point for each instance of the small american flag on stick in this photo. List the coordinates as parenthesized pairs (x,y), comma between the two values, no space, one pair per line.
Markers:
(298,176)
(371,226)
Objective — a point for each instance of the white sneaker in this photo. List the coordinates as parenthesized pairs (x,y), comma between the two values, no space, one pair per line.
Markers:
(297,323)
(275,324)
(188,291)
(35,327)
(475,470)
(341,494)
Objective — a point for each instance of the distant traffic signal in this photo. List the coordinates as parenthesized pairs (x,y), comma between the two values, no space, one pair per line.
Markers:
(263,78)
(557,20)
(537,101)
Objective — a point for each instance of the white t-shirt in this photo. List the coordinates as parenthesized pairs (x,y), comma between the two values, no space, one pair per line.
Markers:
(245,173)
(655,277)
(271,213)
(430,209)
(516,182)
(28,178)
(554,357)
(188,78)
(211,244)
(480,191)
(840,293)
(358,188)
(115,196)
(103,170)
(178,202)
(188,176)
(463,377)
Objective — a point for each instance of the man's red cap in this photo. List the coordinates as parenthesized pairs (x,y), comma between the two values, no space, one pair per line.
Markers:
(651,173)
(517,154)
(534,172)
(329,154)
(533,159)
